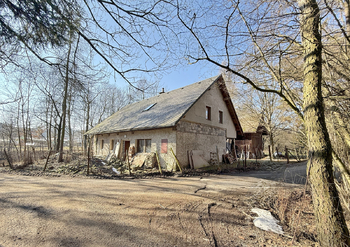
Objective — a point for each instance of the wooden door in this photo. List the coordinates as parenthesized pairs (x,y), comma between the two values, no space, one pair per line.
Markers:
(126,148)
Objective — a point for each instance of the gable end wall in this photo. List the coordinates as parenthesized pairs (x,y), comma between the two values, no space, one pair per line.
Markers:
(195,136)
(214,99)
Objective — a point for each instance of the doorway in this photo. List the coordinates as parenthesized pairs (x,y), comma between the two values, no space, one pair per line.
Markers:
(126,148)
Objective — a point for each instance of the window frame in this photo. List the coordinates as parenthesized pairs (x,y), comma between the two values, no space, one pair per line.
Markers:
(144,148)
(148,148)
(140,145)
(208,113)
(164,146)
(221,117)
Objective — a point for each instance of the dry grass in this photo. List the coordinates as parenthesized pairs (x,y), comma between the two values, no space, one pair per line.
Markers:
(252,164)
(293,208)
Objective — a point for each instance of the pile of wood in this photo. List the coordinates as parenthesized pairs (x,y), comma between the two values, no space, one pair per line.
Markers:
(228,158)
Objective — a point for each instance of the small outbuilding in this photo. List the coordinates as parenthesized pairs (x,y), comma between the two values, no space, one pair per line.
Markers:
(251,144)
(193,122)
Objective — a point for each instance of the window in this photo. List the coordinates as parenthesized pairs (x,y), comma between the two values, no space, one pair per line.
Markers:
(164,146)
(148,145)
(149,107)
(102,143)
(208,113)
(140,145)
(111,145)
(221,117)
(144,145)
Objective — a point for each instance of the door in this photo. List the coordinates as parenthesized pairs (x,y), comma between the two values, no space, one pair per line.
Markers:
(126,148)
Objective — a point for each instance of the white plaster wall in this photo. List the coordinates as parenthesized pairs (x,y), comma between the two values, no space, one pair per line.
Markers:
(106,147)
(166,160)
(214,99)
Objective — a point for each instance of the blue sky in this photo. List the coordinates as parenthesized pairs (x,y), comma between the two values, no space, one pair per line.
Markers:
(177,77)
(189,74)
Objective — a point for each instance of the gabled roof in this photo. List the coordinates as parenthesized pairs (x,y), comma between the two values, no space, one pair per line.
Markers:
(162,111)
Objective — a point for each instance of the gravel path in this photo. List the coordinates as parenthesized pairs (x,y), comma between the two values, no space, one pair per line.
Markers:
(192,211)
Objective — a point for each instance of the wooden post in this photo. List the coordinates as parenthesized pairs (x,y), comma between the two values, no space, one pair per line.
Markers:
(47,159)
(245,156)
(127,161)
(88,166)
(234,148)
(287,156)
(270,153)
(160,168)
(177,161)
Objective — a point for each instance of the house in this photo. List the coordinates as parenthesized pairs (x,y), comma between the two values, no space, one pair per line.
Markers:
(199,117)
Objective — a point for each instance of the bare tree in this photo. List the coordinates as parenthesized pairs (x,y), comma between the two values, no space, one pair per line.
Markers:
(270,38)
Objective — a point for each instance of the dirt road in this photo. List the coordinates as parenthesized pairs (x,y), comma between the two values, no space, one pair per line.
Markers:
(191,211)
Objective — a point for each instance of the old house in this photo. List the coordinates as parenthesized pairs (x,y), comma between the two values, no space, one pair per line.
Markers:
(194,120)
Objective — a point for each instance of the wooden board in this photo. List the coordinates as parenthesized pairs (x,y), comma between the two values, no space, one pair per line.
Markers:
(117,149)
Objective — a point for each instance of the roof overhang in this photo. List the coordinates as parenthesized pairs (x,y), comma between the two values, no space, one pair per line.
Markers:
(231,108)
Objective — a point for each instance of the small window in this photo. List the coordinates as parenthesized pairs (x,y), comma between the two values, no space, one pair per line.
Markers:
(149,107)
(148,145)
(164,146)
(144,145)
(111,145)
(208,113)
(140,145)
(102,143)
(221,117)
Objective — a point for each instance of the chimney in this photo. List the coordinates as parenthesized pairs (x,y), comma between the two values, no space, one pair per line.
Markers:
(162,91)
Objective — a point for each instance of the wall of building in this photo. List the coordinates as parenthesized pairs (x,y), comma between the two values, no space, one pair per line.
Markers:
(253,143)
(195,136)
(214,99)
(166,159)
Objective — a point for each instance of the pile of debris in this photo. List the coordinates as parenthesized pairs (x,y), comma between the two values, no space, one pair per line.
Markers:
(139,163)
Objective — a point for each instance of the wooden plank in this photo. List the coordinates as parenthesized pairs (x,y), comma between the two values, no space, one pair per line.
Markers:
(177,161)
(117,150)
(128,163)
(189,154)
(160,168)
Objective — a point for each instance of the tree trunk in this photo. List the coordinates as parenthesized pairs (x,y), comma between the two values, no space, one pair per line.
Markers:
(70,132)
(347,20)
(49,128)
(58,135)
(64,105)
(330,222)
(87,122)
(272,143)
(19,130)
